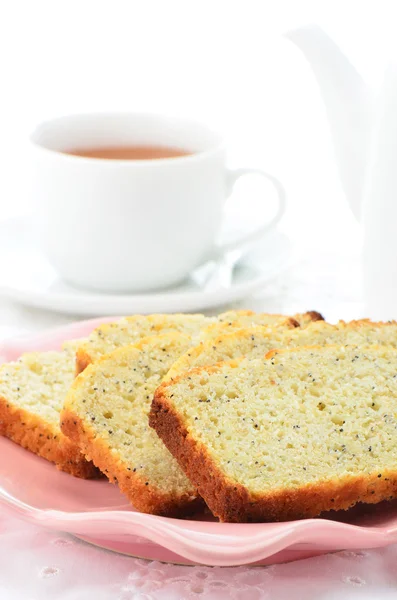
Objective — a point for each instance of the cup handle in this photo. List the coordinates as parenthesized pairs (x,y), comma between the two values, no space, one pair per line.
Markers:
(232,175)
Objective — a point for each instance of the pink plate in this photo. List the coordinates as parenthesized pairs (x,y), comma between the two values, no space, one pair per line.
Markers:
(96,511)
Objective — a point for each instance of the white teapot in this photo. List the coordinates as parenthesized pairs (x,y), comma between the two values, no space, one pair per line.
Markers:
(364,130)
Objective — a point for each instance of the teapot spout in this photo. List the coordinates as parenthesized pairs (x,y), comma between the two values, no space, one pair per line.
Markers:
(348,104)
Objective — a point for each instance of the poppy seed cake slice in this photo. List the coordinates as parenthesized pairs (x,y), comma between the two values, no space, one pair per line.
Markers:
(287,436)
(231,321)
(106,414)
(32,391)
(257,341)
(129,330)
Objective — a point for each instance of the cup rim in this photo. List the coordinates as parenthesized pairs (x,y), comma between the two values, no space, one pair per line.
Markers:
(196,155)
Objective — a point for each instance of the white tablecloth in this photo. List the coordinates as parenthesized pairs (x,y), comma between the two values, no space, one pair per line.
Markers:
(39,565)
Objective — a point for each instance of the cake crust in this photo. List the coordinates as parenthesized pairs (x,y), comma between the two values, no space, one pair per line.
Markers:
(146,498)
(83,359)
(32,433)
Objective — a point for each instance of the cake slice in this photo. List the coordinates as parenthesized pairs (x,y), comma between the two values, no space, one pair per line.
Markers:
(231,321)
(257,341)
(106,414)
(129,330)
(32,391)
(126,331)
(288,436)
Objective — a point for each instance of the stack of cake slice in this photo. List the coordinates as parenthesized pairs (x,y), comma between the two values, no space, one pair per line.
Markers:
(262,417)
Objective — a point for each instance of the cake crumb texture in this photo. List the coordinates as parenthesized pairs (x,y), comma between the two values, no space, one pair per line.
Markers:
(106,414)
(288,436)
(32,391)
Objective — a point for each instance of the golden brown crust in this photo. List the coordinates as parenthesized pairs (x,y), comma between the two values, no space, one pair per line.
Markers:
(314,315)
(83,359)
(231,502)
(32,433)
(305,319)
(144,497)
(293,322)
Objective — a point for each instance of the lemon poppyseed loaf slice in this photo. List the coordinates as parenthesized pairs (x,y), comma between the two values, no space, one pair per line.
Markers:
(230,322)
(32,391)
(129,330)
(288,436)
(257,341)
(106,414)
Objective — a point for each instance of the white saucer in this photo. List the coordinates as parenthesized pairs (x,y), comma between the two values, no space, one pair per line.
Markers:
(27,277)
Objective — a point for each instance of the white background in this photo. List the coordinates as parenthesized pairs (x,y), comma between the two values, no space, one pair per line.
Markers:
(224,62)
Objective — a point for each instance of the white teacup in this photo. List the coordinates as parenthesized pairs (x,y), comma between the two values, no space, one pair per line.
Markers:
(133,225)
